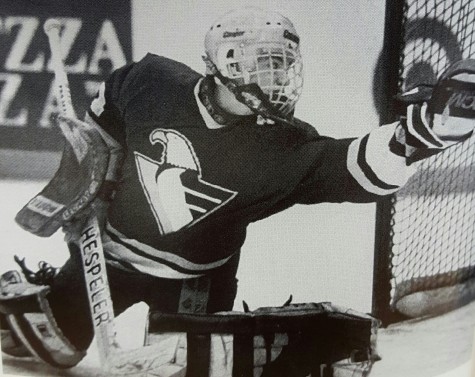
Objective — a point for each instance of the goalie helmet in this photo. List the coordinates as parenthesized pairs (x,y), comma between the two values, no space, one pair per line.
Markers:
(255,53)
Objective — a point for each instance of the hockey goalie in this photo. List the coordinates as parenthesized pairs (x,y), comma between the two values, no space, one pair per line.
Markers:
(162,178)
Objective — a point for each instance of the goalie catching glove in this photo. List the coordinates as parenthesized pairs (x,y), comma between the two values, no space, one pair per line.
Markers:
(440,116)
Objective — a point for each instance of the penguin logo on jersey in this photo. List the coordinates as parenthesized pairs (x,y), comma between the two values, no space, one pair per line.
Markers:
(173,186)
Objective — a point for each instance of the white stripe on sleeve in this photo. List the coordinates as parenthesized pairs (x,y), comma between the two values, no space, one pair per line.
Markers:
(374,166)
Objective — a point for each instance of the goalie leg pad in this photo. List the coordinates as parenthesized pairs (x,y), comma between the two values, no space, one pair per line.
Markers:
(11,345)
(30,318)
(295,340)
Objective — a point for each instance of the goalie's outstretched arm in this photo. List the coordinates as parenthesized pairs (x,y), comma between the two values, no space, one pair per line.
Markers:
(379,163)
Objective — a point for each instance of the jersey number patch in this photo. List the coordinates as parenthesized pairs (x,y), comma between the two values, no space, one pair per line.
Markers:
(173,186)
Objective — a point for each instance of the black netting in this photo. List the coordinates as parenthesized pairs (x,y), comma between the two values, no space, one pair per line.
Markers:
(433,217)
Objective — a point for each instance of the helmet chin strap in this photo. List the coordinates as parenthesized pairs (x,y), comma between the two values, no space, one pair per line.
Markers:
(206,95)
(250,95)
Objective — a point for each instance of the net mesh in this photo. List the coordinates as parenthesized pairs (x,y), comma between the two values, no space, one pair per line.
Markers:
(433,216)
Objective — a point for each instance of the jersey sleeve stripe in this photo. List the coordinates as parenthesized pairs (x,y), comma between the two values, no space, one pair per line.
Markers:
(367,171)
(374,166)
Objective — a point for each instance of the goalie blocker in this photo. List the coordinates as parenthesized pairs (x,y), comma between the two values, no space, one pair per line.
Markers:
(86,172)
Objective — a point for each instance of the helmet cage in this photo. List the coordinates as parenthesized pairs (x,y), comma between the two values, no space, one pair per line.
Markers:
(255,48)
(275,68)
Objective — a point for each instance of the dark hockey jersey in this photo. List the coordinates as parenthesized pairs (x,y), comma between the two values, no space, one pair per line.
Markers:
(188,190)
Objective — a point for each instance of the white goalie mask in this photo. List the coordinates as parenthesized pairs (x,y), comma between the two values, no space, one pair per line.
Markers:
(250,47)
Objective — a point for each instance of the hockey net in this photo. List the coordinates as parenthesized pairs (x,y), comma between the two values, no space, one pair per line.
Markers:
(431,240)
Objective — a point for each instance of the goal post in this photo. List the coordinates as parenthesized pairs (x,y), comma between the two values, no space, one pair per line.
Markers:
(388,81)
(425,234)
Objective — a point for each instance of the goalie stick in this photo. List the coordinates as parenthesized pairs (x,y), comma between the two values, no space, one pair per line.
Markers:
(113,359)
(90,236)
